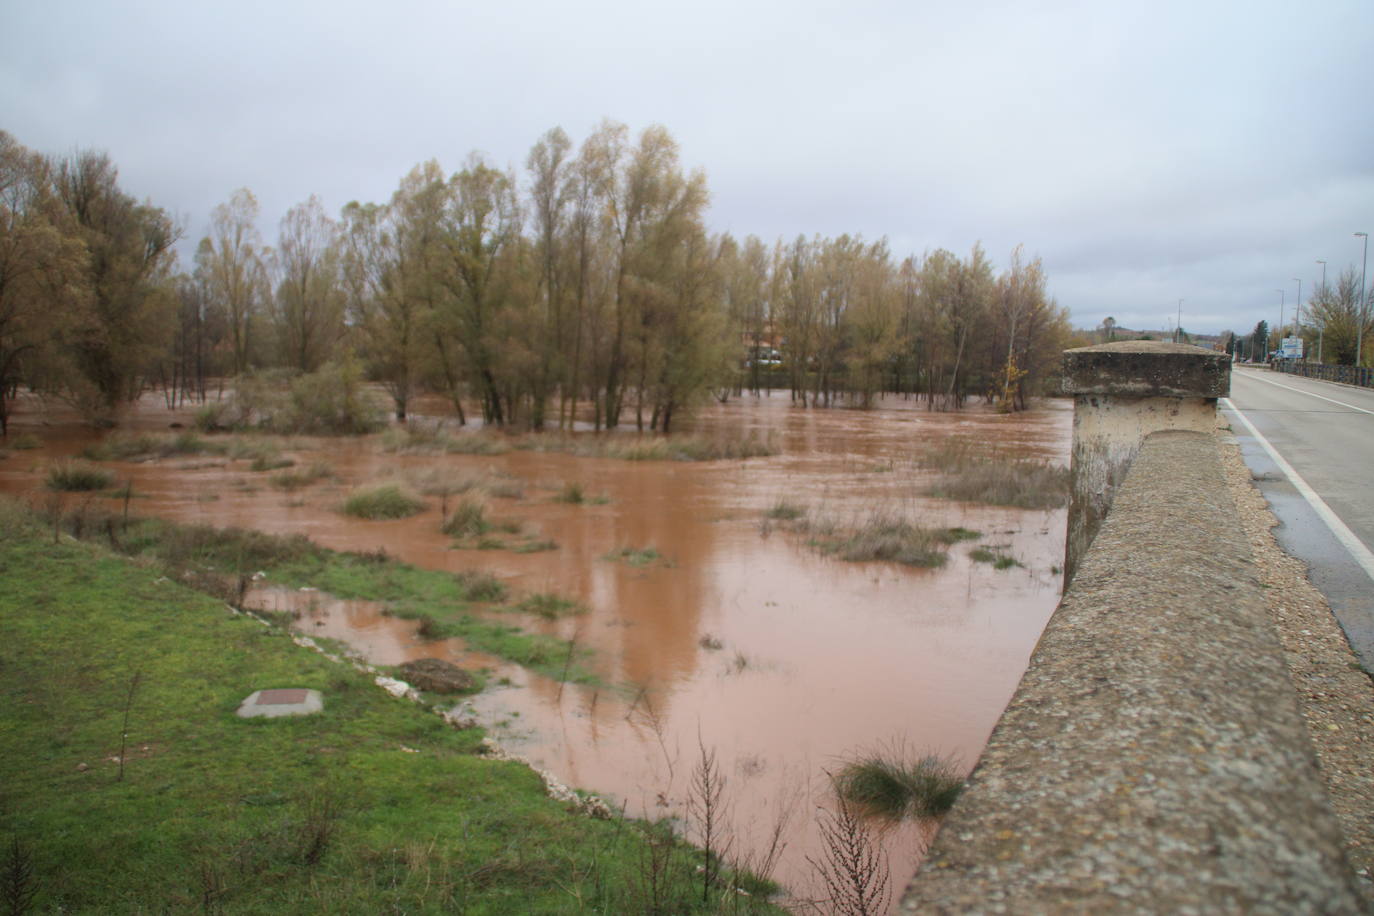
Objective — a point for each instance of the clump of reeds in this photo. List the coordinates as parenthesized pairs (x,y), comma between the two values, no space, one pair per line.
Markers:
(891,784)
(78,477)
(383,501)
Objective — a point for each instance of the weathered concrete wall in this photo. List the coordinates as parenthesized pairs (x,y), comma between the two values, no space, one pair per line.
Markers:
(1124,391)
(1153,758)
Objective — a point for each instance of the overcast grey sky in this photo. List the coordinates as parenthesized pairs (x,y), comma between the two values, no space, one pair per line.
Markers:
(1146,151)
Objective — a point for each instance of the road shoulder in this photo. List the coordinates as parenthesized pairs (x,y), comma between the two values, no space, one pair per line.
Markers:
(1336,696)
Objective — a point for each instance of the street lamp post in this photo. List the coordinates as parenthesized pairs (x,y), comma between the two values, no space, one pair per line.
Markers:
(1359,336)
(1279,330)
(1178,324)
(1297,315)
(1321,329)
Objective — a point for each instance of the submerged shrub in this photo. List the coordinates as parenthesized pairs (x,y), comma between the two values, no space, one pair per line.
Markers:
(384,501)
(78,476)
(888,784)
(330,401)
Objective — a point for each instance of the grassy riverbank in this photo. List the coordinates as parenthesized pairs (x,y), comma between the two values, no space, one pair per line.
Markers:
(373,806)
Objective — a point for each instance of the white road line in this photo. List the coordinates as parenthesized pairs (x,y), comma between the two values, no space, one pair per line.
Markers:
(1361,553)
(1260,378)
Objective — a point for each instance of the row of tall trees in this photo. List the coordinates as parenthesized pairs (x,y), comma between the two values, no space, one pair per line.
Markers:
(586,285)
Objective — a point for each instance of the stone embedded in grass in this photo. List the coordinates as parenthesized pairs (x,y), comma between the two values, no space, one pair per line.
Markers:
(437,676)
(276,703)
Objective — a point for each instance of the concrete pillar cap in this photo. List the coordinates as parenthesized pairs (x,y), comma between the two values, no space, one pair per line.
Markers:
(1147,369)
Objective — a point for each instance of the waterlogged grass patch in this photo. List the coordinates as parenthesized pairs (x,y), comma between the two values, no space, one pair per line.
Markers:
(881,535)
(144,446)
(969,474)
(653,447)
(550,606)
(993,555)
(417,439)
(297,478)
(78,477)
(635,556)
(384,501)
(890,784)
(785,511)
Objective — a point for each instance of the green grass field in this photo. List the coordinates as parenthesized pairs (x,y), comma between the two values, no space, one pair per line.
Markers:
(375,805)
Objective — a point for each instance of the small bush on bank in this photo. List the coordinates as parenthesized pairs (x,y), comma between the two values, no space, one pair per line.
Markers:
(78,477)
(25,442)
(889,784)
(384,501)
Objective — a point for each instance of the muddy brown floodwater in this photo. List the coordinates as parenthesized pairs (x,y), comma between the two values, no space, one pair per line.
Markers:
(783,662)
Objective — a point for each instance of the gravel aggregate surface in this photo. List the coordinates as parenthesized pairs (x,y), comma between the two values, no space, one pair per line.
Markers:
(1335,694)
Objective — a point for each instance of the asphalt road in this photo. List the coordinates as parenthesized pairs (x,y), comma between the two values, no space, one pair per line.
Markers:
(1310,445)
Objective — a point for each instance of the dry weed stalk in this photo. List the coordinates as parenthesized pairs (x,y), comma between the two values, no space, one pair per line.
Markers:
(854,870)
(706,805)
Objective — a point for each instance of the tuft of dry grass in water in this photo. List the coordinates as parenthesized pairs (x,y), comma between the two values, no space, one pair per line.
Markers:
(653,447)
(890,783)
(971,475)
(78,477)
(881,535)
(418,439)
(296,478)
(384,501)
(550,606)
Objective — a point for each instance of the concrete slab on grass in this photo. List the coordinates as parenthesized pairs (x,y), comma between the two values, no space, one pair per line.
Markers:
(294,701)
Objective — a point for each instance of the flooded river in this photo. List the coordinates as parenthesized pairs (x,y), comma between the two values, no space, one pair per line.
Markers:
(738,638)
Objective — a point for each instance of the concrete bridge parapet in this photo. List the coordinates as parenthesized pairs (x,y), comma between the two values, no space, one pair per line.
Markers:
(1122,392)
(1153,757)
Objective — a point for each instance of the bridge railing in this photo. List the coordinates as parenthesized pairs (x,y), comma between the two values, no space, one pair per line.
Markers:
(1347,375)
